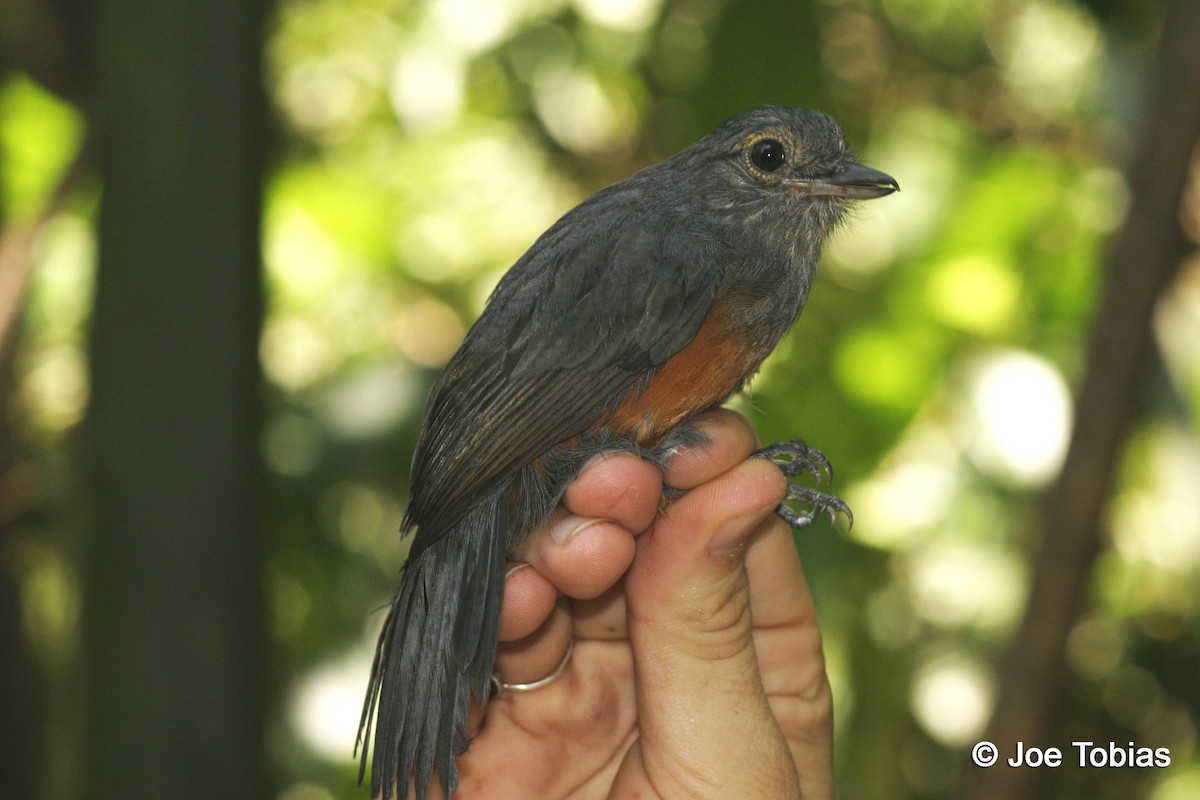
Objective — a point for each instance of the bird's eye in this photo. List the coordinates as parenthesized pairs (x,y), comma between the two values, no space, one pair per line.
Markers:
(767,155)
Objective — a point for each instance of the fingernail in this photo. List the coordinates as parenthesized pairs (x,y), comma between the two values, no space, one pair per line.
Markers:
(515,568)
(676,451)
(568,528)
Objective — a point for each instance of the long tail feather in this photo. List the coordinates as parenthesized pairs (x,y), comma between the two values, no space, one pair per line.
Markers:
(437,647)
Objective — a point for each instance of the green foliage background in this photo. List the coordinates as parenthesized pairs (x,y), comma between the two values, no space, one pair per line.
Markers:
(422,146)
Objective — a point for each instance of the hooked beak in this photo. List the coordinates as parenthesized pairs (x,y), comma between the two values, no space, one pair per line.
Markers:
(856,182)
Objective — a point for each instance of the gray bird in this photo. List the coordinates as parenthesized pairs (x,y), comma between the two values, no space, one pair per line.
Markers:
(654,299)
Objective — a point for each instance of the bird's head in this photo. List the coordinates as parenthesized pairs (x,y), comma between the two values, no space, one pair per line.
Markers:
(789,165)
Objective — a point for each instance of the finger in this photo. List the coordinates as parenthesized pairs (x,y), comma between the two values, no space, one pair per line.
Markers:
(786,636)
(730,441)
(787,642)
(582,557)
(689,568)
(583,550)
(616,486)
(539,654)
(778,590)
(589,545)
(701,701)
(528,600)
(602,618)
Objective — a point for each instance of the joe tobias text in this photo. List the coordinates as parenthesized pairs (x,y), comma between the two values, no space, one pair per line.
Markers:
(1091,754)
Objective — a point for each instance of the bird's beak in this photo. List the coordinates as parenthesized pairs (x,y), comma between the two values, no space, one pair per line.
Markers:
(856,182)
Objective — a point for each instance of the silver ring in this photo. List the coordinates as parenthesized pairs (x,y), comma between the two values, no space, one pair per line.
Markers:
(500,687)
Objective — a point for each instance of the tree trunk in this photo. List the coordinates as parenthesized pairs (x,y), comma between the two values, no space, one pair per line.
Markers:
(173,614)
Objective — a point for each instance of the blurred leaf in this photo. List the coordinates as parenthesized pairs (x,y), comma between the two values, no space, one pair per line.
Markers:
(39,134)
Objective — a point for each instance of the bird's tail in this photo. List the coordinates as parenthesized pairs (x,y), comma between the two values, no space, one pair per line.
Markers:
(438,646)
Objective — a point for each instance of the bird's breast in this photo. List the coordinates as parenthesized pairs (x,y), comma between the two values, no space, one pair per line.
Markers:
(710,368)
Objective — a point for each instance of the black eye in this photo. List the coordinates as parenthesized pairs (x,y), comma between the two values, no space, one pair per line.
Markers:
(768,154)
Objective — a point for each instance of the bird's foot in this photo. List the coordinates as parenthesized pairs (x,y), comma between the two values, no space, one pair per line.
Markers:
(797,458)
(820,503)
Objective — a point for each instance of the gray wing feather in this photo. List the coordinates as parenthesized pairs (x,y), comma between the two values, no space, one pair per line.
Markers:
(605,297)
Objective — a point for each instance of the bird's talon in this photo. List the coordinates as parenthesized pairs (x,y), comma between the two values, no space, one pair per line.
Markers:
(796,458)
(820,502)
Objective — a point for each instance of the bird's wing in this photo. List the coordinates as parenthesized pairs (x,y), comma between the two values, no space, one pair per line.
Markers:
(600,301)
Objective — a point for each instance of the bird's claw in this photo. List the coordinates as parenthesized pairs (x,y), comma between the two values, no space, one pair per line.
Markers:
(821,503)
(796,458)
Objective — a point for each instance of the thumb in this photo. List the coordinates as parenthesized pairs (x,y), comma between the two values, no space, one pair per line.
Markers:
(706,728)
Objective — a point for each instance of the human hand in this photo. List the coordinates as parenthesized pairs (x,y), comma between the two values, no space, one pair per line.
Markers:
(696,669)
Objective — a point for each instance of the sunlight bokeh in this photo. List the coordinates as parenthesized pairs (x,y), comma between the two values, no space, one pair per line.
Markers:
(422,146)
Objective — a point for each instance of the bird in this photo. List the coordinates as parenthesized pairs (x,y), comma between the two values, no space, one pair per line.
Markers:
(651,301)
